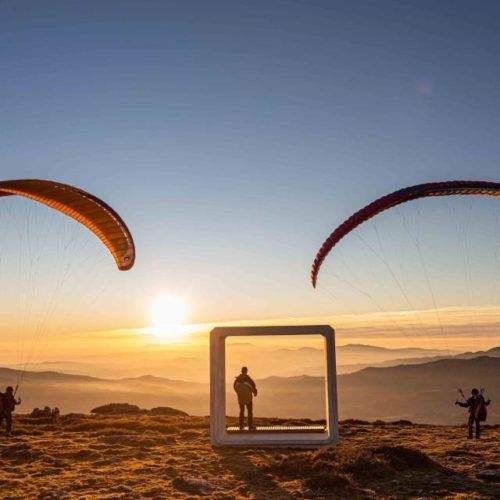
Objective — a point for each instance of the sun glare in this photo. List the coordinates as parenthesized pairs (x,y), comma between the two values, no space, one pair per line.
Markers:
(167,316)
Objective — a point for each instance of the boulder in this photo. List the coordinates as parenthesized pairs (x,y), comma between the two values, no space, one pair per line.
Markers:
(45,412)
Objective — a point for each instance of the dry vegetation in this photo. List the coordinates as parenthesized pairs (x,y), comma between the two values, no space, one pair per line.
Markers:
(147,456)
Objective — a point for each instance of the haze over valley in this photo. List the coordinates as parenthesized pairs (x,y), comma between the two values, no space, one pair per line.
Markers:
(423,391)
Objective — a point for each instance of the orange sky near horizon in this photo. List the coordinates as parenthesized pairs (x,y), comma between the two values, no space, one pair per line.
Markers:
(398,330)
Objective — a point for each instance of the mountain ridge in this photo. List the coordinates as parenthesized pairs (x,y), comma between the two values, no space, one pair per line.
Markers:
(421,393)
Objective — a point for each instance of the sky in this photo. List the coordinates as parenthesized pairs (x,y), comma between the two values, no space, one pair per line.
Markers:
(233,136)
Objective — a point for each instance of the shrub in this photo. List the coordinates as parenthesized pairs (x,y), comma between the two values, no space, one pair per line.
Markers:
(116,409)
(401,458)
(166,410)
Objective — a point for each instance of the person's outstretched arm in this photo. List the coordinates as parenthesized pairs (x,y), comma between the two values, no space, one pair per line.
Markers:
(463,405)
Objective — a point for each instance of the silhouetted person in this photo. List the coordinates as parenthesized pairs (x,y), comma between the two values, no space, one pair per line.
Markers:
(245,389)
(477,411)
(9,403)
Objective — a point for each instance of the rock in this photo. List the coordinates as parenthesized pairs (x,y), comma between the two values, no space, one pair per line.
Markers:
(492,475)
(166,410)
(37,413)
(46,412)
(192,485)
(117,409)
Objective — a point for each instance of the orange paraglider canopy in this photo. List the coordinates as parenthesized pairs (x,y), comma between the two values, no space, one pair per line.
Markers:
(83,207)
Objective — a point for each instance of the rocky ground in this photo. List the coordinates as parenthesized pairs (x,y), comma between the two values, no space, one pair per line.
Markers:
(148,456)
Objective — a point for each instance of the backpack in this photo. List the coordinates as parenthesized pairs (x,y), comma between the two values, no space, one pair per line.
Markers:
(244,392)
(481,412)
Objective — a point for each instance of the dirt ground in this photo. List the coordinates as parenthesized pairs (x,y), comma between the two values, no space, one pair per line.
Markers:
(161,457)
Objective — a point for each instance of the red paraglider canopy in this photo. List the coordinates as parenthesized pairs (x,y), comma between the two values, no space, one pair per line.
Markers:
(396,198)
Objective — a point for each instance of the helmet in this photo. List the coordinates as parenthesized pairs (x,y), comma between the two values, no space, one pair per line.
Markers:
(474,392)
(10,389)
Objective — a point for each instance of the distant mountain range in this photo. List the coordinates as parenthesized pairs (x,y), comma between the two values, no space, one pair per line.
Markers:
(192,364)
(310,360)
(422,392)
(424,356)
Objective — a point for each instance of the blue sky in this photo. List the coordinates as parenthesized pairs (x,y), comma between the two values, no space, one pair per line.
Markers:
(233,136)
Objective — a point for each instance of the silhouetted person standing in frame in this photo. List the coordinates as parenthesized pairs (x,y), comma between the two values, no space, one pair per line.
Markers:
(9,403)
(245,389)
(477,411)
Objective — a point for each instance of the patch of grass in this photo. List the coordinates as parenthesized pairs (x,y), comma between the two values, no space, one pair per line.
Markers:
(354,421)
(39,421)
(116,425)
(358,462)
(343,467)
(191,434)
(324,480)
(401,458)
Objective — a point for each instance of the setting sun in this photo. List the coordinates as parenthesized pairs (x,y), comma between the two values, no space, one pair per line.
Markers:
(167,316)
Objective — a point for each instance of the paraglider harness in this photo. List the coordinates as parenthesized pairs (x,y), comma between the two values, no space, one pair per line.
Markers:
(2,395)
(480,410)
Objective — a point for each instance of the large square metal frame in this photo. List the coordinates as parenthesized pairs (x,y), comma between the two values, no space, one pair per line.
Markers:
(218,431)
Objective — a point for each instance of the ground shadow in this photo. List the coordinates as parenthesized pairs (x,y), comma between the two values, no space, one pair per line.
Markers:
(258,482)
